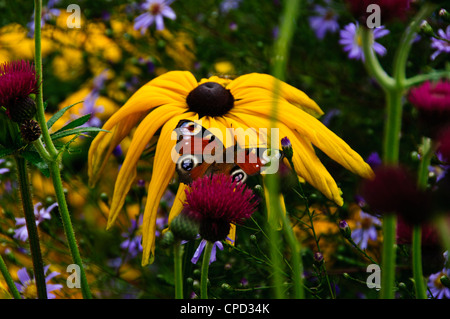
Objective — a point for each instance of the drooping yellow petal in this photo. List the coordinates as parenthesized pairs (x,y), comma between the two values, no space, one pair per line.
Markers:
(178,202)
(163,170)
(245,136)
(276,223)
(142,136)
(314,131)
(257,86)
(306,163)
(169,88)
(231,238)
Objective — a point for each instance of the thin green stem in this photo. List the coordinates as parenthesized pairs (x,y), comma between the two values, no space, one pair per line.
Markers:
(178,269)
(205,268)
(67,223)
(441,224)
(401,57)
(52,156)
(371,62)
(421,291)
(33,237)
(433,76)
(297,264)
(388,257)
(39,74)
(422,181)
(9,281)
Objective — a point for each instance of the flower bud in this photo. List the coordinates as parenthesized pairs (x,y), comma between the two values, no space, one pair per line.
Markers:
(30,130)
(318,258)
(184,227)
(167,239)
(287,147)
(24,109)
(445,281)
(345,230)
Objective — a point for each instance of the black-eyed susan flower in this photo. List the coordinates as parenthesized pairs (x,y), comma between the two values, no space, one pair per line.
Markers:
(245,102)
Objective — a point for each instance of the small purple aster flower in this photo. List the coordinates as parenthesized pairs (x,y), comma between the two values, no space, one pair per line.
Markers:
(17,81)
(441,45)
(217,201)
(200,249)
(352,42)
(228,5)
(40,215)
(367,230)
(3,170)
(324,20)
(435,286)
(156,11)
(132,243)
(27,287)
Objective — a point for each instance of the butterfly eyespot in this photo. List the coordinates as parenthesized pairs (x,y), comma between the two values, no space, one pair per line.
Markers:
(187,163)
(239,176)
(190,128)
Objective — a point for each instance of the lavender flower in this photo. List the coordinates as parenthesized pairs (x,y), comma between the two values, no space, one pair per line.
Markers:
(132,243)
(3,170)
(441,45)
(27,287)
(156,11)
(325,20)
(200,249)
(351,41)
(436,288)
(40,215)
(48,13)
(228,5)
(367,230)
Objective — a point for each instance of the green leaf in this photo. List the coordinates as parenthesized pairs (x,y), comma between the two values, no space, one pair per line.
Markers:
(75,123)
(79,130)
(6,151)
(58,114)
(35,159)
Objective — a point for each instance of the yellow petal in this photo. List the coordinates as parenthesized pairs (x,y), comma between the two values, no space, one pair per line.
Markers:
(316,132)
(306,163)
(169,88)
(163,170)
(253,85)
(246,136)
(231,238)
(142,136)
(277,224)
(178,202)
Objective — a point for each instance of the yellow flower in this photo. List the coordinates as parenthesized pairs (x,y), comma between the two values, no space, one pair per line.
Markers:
(247,103)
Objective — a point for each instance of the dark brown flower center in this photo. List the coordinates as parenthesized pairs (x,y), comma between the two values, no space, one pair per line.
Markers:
(210,99)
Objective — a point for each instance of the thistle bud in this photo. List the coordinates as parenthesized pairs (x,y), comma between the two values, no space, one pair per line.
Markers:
(167,239)
(30,130)
(184,227)
(24,109)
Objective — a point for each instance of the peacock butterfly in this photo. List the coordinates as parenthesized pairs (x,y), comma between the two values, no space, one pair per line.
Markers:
(202,153)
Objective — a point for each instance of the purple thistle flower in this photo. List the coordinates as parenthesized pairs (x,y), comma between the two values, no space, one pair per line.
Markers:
(367,230)
(156,11)
(17,81)
(200,249)
(27,287)
(351,41)
(215,202)
(441,45)
(324,20)
(40,215)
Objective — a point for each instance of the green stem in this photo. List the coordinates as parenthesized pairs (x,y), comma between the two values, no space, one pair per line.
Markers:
(33,237)
(297,264)
(52,156)
(433,76)
(427,154)
(39,74)
(401,57)
(178,253)
(205,267)
(68,229)
(9,281)
(421,292)
(388,257)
